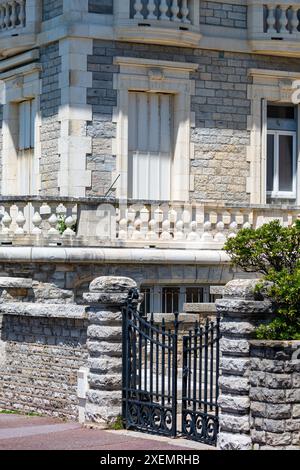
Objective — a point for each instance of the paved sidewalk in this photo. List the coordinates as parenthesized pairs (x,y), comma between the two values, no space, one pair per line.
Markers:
(19,432)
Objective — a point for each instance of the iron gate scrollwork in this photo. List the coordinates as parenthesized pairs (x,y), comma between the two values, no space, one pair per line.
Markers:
(149,373)
(200,387)
(152,384)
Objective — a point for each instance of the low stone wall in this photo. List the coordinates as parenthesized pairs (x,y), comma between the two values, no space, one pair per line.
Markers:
(275,394)
(39,364)
(42,347)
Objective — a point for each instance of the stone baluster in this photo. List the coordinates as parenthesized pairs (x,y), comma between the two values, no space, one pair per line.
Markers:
(6,221)
(193,236)
(220,236)
(233,228)
(144,216)
(152,233)
(175,11)
(186,217)
(158,217)
(22,13)
(2,16)
(20,220)
(271,19)
(123,229)
(207,235)
(106,298)
(179,231)
(185,12)
(13,16)
(151,9)
(294,19)
(166,235)
(131,215)
(53,221)
(70,221)
(137,234)
(283,19)
(163,8)
(37,219)
(7,15)
(138,6)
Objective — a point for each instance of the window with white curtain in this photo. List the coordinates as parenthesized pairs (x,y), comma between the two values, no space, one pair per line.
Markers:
(150,145)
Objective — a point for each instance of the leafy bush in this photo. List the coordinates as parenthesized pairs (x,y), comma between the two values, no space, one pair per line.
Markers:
(273,251)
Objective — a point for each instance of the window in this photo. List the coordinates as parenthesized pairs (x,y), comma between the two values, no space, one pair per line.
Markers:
(26,125)
(281,152)
(25,154)
(170,299)
(150,145)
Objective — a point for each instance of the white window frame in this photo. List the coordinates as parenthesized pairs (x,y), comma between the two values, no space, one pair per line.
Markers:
(276,193)
(268,86)
(19,85)
(160,77)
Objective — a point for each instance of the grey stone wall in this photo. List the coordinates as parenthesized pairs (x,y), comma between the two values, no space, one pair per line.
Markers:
(42,359)
(60,283)
(221,109)
(51,9)
(223,14)
(259,380)
(104,7)
(275,395)
(1,140)
(50,128)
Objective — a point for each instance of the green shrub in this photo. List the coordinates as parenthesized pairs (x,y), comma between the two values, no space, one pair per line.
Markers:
(273,251)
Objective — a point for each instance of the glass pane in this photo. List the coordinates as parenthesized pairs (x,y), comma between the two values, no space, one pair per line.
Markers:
(285,163)
(281,112)
(194,295)
(145,305)
(170,299)
(270,162)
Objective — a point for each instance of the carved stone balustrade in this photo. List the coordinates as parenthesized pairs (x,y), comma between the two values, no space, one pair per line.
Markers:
(108,222)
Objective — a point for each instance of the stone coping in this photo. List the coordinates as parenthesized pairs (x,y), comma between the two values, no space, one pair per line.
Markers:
(26,309)
(263,343)
(15,283)
(200,308)
(111,255)
(115,201)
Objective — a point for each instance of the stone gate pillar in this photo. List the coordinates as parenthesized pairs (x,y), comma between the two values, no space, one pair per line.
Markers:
(106,297)
(241,312)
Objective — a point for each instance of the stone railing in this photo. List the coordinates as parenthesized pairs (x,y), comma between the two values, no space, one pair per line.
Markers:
(282,19)
(20,21)
(12,14)
(108,222)
(272,25)
(170,22)
(177,11)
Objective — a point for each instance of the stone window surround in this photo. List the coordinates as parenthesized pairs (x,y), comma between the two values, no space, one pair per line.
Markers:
(156,76)
(19,85)
(268,86)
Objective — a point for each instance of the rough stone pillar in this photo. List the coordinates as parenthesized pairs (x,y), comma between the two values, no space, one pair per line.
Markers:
(240,313)
(104,342)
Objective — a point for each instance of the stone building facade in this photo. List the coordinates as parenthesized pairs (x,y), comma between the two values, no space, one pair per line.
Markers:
(136,136)
(185,108)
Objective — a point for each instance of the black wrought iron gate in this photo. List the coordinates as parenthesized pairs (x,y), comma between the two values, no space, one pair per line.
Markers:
(165,377)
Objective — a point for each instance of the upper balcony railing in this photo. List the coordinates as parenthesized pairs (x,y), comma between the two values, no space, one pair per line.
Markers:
(158,21)
(36,221)
(20,21)
(274,27)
